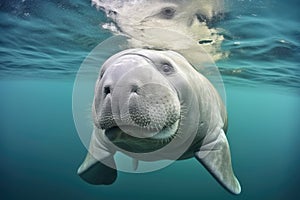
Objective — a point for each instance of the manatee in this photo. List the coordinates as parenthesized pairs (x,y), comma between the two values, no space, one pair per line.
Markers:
(153,105)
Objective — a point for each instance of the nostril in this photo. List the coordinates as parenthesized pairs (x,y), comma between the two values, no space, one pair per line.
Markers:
(134,89)
(106,90)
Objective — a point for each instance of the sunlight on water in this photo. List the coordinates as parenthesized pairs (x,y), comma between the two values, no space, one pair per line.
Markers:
(43,39)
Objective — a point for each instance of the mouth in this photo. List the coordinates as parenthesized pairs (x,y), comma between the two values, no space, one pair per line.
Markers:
(155,141)
(116,134)
(167,131)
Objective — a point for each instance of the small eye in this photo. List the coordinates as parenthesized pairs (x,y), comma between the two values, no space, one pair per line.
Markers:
(202,18)
(101,74)
(167,13)
(166,68)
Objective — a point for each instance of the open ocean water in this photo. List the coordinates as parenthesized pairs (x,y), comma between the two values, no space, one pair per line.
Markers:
(42,45)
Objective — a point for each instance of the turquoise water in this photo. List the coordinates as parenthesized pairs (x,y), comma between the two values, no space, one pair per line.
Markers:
(42,46)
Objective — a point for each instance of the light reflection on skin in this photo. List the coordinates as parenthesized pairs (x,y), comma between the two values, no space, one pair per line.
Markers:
(148,21)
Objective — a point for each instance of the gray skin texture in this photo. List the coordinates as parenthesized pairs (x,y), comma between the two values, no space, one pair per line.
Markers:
(153,105)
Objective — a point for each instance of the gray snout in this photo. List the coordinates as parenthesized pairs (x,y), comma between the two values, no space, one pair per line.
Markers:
(137,99)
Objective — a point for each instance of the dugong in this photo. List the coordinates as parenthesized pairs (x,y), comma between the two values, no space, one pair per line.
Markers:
(153,105)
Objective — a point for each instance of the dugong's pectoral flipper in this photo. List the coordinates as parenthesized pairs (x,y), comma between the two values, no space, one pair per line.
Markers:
(96,170)
(215,156)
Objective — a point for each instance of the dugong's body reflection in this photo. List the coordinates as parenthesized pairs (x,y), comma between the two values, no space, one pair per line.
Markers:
(191,18)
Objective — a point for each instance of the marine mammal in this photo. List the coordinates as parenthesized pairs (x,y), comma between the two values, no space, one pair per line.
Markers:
(153,105)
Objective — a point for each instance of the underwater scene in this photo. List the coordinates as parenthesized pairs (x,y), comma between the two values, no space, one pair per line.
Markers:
(51,52)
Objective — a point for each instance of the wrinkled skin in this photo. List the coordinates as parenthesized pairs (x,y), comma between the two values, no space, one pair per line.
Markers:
(153,105)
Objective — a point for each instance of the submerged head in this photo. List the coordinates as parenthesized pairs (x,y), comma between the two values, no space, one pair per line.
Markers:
(138,98)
